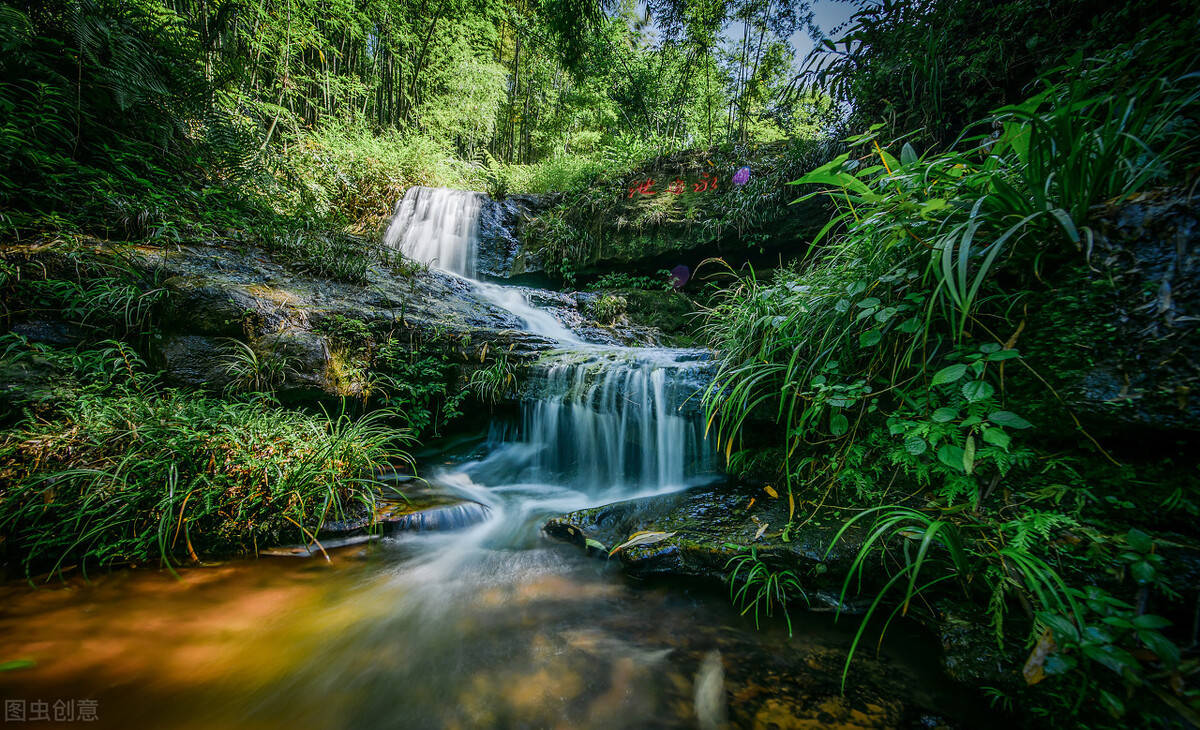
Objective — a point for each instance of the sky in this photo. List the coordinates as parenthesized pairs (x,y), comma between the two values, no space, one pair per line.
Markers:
(827,14)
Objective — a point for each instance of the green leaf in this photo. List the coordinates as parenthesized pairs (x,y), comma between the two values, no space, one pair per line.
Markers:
(1008,418)
(951,456)
(910,325)
(1166,651)
(1150,621)
(1062,627)
(944,415)
(908,156)
(838,424)
(1112,657)
(1143,572)
(869,302)
(1002,355)
(969,455)
(1111,703)
(593,543)
(870,338)
(1139,541)
(997,437)
(949,374)
(915,445)
(978,390)
(15,664)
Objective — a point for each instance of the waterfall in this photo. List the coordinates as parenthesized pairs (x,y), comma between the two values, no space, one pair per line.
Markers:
(619,419)
(597,422)
(440,227)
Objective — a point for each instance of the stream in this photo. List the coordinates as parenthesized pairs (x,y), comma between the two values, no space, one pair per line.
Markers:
(490,624)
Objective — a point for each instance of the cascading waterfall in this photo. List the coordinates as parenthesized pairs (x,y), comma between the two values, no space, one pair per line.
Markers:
(439,227)
(597,422)
(623,419)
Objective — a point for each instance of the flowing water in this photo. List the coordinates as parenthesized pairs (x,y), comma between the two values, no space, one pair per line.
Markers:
(489,624)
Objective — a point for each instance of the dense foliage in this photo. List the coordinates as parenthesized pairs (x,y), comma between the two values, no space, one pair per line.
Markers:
(895,366)
(122,471)
(169,118)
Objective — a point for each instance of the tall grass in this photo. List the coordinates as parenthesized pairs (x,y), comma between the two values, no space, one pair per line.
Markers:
(128,473)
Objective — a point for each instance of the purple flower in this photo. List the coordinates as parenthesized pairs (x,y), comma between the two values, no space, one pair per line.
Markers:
(742,176)
(680,276)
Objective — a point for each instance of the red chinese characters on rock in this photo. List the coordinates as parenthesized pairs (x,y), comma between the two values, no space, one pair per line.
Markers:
(678,186)
(707,182)
(645,187)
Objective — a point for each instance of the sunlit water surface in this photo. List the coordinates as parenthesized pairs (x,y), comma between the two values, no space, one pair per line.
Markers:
(494,626)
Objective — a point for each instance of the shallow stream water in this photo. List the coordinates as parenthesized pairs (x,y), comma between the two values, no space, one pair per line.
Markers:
(442,630)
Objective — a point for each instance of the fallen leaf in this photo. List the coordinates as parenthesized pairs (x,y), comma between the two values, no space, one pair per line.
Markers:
(645,537)
(593,543)
(762,528)
(771,491)
(1034,670)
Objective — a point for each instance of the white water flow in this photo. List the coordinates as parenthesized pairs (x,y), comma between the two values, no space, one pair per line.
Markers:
(598,424)
(440,227)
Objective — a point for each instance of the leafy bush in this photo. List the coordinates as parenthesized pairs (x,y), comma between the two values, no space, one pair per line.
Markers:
(621,280)
(608,308)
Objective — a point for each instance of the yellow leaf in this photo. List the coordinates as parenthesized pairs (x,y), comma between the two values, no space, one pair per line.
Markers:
(771,491)
(791,506)
(1034,670)
(644,537)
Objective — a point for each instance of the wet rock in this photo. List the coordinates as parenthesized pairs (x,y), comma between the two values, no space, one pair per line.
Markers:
(969,651)
(196,361)
(409,506)
(50,332)
(501,226)
(1148,374)
(284,313)
(711,525)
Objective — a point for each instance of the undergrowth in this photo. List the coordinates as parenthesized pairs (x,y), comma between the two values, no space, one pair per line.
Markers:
(127,472)
(892,363)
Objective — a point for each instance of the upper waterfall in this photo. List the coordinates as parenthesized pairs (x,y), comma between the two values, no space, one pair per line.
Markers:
(439,227)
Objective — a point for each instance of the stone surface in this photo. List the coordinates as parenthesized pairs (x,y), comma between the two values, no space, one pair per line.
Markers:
(713,524)
(218,293)
(1148,375)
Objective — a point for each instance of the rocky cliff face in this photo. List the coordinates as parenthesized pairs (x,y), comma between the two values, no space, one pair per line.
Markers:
(214,295)
(676,209)
(503,224)
(1147,374)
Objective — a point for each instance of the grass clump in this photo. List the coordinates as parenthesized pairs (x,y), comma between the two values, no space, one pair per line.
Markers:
(127,472)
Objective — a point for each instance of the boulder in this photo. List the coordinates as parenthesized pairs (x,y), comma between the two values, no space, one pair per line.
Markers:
(711,525)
